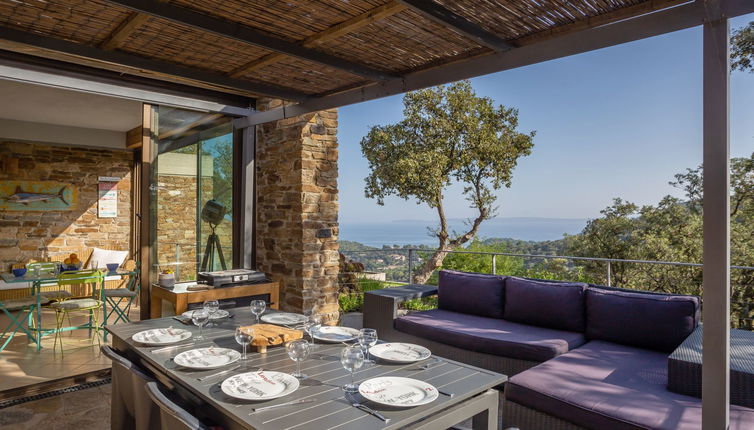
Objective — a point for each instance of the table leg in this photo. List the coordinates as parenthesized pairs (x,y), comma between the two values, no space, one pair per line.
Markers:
(487,419)
(155,307)
(37,286)
(181,304)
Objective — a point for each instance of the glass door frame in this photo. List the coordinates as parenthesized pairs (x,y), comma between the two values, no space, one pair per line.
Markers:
(244,201)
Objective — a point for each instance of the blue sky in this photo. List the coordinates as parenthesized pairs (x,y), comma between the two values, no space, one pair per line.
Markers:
(618,122)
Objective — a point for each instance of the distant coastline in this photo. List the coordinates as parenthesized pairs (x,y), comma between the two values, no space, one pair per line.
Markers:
(415,232)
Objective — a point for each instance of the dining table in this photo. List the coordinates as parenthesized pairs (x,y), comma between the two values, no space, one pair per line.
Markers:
(465,393)
(36,280)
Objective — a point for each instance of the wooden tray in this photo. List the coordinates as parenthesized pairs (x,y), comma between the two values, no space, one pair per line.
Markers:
(270,335)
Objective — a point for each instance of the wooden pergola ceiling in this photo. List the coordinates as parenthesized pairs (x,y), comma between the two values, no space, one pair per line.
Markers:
(292,49)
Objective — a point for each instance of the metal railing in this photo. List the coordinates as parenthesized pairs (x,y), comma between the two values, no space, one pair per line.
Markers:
(413,259)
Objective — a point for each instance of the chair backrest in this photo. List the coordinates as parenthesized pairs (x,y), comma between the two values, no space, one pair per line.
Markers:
(47,266)
(172,416)
(129,393)
(81,280)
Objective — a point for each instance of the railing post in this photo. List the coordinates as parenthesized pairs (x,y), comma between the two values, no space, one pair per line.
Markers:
(494,264)
(410,265)
(609,275)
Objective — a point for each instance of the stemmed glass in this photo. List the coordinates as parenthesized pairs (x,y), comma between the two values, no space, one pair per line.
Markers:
(313,323)
(244,336)
(257,308)
(298,351)
(200,317)
(367,338)
(352,358)
(211,306)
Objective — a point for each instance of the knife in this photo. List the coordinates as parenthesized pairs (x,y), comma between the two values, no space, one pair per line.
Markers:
(170,348)
(218,373)
(294,402)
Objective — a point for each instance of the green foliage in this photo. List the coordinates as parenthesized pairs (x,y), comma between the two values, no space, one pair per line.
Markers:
(742,48)
(448,134)
(351,302)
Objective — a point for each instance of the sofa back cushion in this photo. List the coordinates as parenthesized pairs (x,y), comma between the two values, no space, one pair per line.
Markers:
(558,305)
(471,293)
(658,322)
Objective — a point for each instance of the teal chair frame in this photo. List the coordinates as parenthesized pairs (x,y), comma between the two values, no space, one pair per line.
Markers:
(116,302)
(21,316)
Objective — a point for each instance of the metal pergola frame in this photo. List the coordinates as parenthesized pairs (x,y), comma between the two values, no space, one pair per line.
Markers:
(713,15)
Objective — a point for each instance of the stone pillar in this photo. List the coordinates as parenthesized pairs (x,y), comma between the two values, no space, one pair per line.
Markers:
(297,208)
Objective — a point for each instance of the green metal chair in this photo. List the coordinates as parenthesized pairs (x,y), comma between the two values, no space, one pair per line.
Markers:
(91,304)
(20,312)
(120,300)
(56,295)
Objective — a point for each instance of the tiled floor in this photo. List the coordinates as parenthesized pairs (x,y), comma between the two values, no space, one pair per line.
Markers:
(22,365)
(87,409)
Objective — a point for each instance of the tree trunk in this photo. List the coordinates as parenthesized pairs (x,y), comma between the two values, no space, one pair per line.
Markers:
(430,265)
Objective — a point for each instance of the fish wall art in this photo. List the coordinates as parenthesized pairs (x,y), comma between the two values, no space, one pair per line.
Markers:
(37,196)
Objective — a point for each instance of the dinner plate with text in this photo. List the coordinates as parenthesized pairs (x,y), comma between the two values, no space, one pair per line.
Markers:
(396,352)
(259,385)
(335,334)
(397,391)
(161,336)
(220,314)
(284,318)
(207,358)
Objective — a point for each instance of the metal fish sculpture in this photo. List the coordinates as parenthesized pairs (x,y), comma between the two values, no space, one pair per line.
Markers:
(27,197)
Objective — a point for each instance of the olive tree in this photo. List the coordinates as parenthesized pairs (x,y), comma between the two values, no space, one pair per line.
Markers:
(448,134)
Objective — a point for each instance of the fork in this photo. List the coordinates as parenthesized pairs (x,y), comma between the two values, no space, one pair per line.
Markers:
(370,411)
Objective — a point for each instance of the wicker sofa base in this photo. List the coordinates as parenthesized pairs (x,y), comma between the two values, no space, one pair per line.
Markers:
(525,418)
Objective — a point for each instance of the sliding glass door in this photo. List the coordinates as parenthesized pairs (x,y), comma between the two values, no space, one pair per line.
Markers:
(191,192)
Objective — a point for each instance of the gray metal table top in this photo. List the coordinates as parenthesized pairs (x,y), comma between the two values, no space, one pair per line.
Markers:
(331,410)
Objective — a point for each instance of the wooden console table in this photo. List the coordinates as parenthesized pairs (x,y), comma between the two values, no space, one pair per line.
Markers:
(181,298)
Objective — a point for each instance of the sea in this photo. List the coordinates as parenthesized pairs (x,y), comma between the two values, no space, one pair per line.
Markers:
(415,232)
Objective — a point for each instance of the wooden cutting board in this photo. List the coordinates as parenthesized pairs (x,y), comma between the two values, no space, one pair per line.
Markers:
(270,335)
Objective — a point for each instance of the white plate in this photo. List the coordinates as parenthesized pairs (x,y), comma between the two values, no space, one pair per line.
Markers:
(335,334)
(207,358)
(220,314)
(400,352)
(260,385)
(161,336)
(284,318)
(397,391)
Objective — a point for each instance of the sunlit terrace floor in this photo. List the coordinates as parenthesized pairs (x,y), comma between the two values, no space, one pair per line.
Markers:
(26,372)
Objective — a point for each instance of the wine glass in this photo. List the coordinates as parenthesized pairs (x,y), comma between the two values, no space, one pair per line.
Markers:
(352,358)
(244,336)
(367,338)
(257,308)
(211,306)
(200,317)
(313,323)
(298,351)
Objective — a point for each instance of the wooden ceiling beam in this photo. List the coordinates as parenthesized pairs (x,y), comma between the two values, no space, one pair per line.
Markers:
(459,24)
(115,39)
(236,31)
(334,32)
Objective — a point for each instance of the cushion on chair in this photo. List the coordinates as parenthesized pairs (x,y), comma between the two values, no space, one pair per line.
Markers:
(557,305)
(645,320)
(489,335)
(103,257)
(119,292)
(57,295)
(74,304)
(603,385)
(18,304)
(471,293)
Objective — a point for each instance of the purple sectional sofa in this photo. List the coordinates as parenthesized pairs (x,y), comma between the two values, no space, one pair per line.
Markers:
(578,356)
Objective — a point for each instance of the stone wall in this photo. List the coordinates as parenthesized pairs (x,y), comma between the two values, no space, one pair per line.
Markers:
(297,207)
(45,235)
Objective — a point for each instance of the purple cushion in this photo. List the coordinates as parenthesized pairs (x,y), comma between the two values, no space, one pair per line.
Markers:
(489,335)
(603,385)
(558,305)
(471,293)
(653,321)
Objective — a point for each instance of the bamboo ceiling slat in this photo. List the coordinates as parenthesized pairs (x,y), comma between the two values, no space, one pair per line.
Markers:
(403,41)
(303,76)
(289,19)
(163,40)
(83,21)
